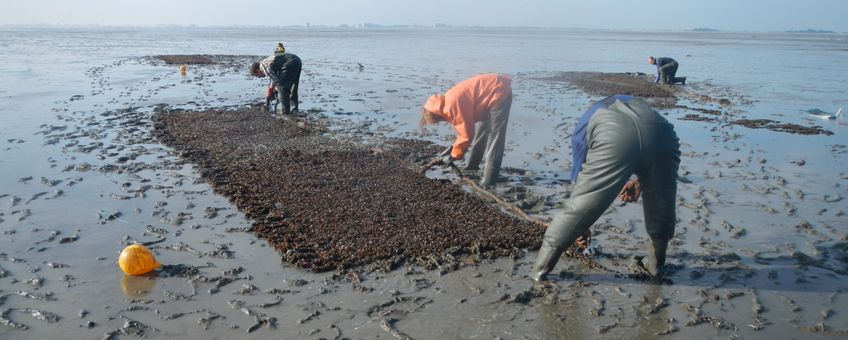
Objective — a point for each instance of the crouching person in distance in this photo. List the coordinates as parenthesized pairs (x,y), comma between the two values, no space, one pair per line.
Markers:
(666,71)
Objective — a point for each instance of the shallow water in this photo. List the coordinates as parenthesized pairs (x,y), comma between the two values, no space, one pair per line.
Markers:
(740,176)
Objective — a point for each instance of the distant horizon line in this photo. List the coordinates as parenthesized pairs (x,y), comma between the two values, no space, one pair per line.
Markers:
(431,26)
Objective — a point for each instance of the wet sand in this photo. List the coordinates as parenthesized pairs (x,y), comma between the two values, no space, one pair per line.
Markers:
(759,252)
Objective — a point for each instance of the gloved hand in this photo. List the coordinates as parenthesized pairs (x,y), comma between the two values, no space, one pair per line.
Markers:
(271,92)
(447,161)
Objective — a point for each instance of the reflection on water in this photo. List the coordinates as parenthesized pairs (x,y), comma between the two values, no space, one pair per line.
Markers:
(138,286)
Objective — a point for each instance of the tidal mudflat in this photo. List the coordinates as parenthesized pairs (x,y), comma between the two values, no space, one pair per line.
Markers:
(759,252)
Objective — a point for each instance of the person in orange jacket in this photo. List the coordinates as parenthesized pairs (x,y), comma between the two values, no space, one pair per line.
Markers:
(485,100)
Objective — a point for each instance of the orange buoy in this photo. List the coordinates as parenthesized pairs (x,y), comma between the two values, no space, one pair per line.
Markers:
(136,259)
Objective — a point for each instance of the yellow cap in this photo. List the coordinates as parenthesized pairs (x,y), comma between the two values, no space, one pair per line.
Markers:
(136,259)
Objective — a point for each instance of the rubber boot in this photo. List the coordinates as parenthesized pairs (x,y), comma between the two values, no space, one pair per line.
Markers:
(545,262)
(655,260)
(487,184)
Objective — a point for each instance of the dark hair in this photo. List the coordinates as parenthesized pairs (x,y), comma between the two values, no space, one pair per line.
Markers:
(253,68)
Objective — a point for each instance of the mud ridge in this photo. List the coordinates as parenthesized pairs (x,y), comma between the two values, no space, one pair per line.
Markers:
(607,84)
(327,204)
(781,127)
(235,62)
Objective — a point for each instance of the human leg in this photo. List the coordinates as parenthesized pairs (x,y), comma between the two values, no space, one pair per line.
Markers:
(294,88)
(609,164)
(659,194)
(284,95)
(478,145)
(667,72)
(496,141)
(672,74)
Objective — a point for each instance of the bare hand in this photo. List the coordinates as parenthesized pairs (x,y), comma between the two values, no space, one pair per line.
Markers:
(580,245)
(582,242)
(631,191)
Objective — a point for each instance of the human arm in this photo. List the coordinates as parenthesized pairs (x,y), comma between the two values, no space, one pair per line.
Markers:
(663,61)
(464,134)
(659,73)
(274,76)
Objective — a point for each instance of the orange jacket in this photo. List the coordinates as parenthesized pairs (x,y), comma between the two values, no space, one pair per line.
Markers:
(467,103)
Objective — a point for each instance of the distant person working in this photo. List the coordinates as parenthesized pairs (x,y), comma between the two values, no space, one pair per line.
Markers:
(284,70)
(485,99)
(666,71)
(615,138)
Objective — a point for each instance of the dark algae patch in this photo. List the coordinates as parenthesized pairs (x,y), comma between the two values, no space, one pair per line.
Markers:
(236,62)
(189,59)
(607,84)
(327,204)
(781,127)
(699,118)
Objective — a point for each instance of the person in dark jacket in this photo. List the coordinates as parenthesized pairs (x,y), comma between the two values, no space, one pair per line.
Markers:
(284,71)
(666,71)
(616,138)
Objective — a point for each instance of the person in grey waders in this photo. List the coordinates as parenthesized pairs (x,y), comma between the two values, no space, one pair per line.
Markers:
(284,70)
(615,138)
(666,71)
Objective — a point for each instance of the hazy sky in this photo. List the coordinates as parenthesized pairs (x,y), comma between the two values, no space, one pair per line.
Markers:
(756,15)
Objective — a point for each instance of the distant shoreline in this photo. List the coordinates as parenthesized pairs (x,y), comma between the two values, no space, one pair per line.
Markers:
(436,27)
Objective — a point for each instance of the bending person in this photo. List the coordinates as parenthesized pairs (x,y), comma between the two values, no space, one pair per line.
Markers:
(284,70)
(666,71)
(484,99)
(615,138)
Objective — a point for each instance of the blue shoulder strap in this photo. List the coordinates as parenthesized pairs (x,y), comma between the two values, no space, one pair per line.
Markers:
(579,140)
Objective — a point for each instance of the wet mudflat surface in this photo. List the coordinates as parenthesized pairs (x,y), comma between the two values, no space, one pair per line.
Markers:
(759,251)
